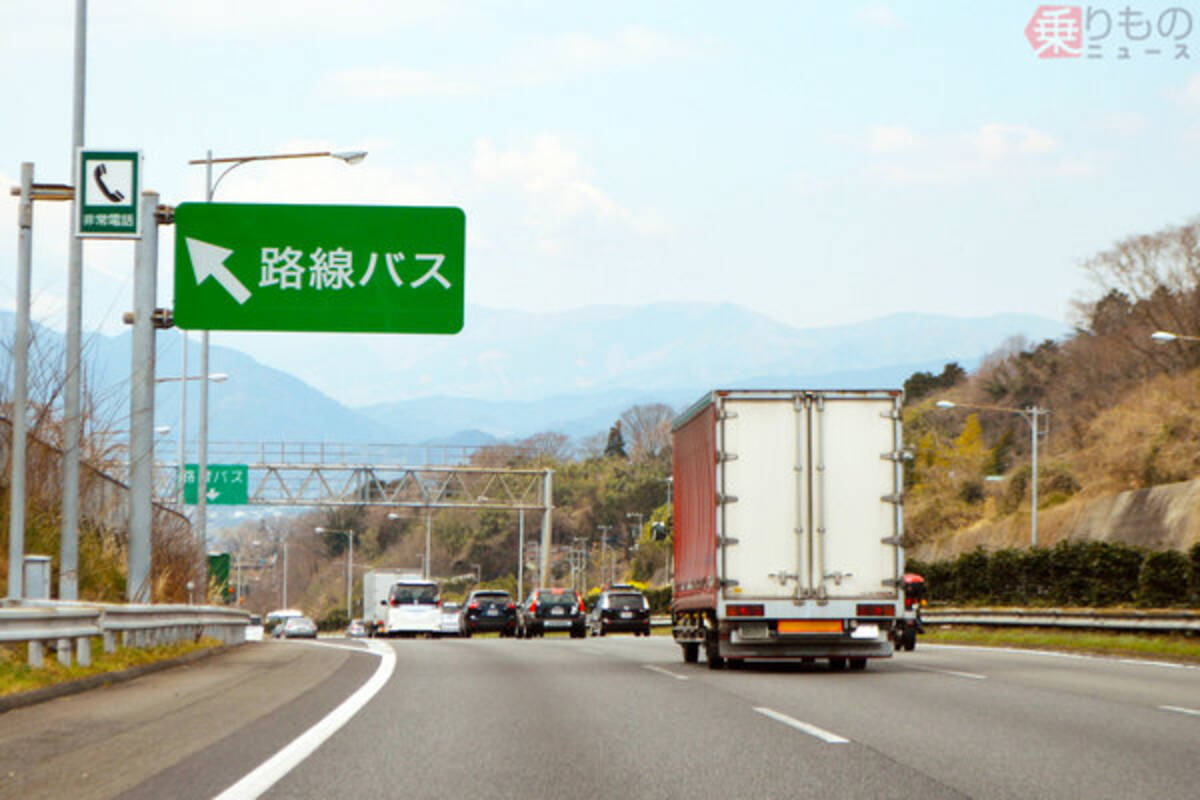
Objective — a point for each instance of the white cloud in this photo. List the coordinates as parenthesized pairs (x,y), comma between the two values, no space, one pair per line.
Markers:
(901,157)
(997,141)
(1189,95)
(550,174)
(878,15)
(548,61)
(382,82)
(890,138)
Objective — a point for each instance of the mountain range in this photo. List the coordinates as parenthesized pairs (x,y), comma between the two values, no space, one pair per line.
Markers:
(511,374)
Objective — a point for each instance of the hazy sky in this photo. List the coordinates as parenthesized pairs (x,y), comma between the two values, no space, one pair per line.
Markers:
(820,162)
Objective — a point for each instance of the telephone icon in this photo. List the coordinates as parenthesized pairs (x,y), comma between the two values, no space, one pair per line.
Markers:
(98,173)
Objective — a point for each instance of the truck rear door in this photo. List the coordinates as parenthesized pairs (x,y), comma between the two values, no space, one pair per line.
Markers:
(806,494)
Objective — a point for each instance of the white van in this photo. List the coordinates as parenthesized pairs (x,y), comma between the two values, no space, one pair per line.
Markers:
(412,607)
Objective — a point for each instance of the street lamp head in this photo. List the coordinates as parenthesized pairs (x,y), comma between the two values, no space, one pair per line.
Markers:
(945,404)
(162,430)
(393,515)
(350,156)
(1163,336)
(218,377)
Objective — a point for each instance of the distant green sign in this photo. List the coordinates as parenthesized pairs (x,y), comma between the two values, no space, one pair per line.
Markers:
(364,269)
(228,484)
(108,194)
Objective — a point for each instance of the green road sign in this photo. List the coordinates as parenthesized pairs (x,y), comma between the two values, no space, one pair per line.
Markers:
(364,269)
(228,484)
(108,194)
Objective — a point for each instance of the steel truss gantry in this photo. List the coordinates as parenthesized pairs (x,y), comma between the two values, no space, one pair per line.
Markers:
(397,486)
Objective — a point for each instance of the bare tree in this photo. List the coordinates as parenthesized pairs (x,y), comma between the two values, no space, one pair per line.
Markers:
(647,430)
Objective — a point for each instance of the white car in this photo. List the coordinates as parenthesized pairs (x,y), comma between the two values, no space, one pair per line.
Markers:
(254,629)
(451,613)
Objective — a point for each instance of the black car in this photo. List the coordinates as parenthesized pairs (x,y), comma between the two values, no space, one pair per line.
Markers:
(620,610)
(489,610)
(550,610)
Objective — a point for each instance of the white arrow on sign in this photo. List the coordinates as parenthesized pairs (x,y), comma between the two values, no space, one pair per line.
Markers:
(212,494)
(208,260)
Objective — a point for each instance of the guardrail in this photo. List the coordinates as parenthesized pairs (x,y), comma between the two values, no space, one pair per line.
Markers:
(71,626)
(1136,621)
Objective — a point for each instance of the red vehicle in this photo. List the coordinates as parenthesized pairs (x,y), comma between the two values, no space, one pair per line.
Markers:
(909,625)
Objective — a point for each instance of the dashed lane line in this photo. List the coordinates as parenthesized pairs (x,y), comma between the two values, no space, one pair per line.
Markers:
(952,672)
(811,730)
(666,672)
(1181,710)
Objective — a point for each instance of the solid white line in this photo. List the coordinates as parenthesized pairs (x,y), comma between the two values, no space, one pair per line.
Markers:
(811,730)
(666,672)
(1137,662)
(1194,712)
(351,647)
(955,673)
(266,774)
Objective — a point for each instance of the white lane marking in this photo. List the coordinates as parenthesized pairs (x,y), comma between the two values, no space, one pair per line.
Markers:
(811,730)
(953,672)
(1055,654)
(1142,661)
(266,774)
(1180,710)
(666,672)
(351,647)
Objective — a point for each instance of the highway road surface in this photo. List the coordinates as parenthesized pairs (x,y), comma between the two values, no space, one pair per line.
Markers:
(616,717)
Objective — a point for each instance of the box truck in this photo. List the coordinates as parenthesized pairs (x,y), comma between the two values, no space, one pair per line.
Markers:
(788,524)
(398,603)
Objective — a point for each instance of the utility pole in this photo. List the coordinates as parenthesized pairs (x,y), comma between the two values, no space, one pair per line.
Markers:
(604,529)
(68,574)
(16,519)
(141,406)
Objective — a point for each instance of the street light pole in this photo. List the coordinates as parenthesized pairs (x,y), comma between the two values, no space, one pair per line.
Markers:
(1030,415)
(210,187)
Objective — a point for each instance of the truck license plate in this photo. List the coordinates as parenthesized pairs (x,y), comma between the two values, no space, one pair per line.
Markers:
(810,626)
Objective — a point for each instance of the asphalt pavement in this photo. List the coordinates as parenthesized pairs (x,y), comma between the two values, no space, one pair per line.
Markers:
(625,717)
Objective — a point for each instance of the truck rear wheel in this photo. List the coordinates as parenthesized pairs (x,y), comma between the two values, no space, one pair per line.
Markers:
(858,663)
(691,652)
(837,664)
(712,651)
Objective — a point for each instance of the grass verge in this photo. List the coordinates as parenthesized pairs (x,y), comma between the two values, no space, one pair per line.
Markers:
(1174,647)
(17,676)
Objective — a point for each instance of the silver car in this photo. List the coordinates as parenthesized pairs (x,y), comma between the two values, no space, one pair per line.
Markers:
(298,628)
(451,613)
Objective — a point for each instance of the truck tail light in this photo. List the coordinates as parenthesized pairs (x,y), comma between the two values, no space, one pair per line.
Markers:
(582,607)
(511,606)
(533,607)
(744,610)
(875,610)
(473,607)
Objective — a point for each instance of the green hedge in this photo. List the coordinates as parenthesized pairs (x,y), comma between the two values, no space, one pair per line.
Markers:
(1070,574)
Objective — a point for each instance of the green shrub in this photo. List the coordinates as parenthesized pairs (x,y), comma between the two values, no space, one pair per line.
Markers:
(1070,574)
(1036,576)
(971,576)
(1163,580)
(1114,573)
(1194,557)
(335,620)
(940,582)
(1006,581)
